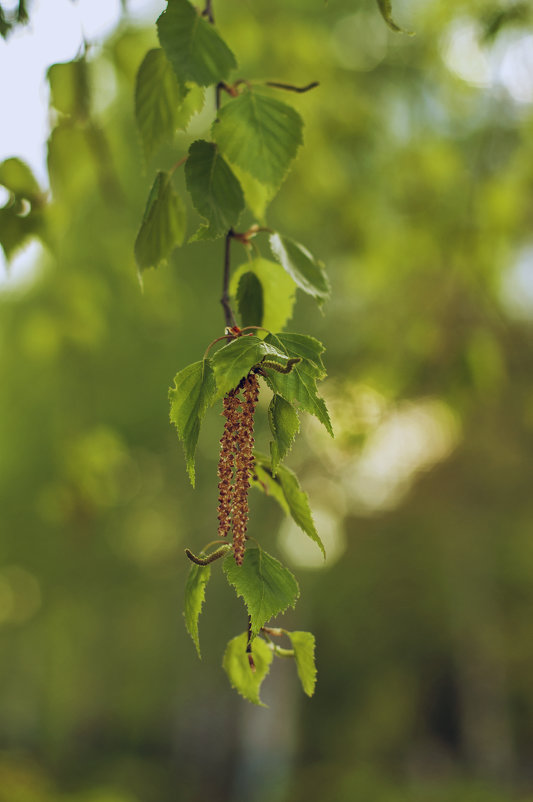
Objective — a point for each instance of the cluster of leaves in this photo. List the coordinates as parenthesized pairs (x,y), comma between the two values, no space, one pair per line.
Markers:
(266,586)
(254,137)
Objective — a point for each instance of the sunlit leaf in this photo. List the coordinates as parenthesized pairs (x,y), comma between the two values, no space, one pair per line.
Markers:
(193,392)
(304,269)
(193,46)
(237,666)
(194,599)
(300,384)
(17,177)
(279,291)
(234,361)
(284,425)
(69,88)
(158,96)
(265,585)
(163,224)
(303,644)
(259,134)
(215,192)
(295,498)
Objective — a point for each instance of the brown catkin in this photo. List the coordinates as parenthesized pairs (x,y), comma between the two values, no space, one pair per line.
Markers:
(227,461)
(244,464)
(236,463)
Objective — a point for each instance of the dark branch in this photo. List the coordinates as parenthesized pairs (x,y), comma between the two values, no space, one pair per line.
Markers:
(291,87)
(224,300)
(208,11)
(249,644)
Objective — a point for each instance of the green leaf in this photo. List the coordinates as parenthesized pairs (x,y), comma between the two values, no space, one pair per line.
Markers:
(192,104)
(193,391)
(69,88)
(237,667)
(259,134)
(284,425)
(303,644)
(235,360)
(17,177)
(193,46)
(16,230)
(385,7)
(250,300)
(295,498)
(279,291)
(163,224)
(194,599)
(300,384)
(308,348)
(256,194)
(266,586)
(158,96)
(304,269)
(22,216)
(263,480)
(215,192)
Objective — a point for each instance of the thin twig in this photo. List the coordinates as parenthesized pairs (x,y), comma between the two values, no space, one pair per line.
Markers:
(249,644)
(224,300)
(291,87)
(208,11)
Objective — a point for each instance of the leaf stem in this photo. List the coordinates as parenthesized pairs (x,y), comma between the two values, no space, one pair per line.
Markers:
(224,300)
(249,645)
(291,87)
(208,11)
(218,339)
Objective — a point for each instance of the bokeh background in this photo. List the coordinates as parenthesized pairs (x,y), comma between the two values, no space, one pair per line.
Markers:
(415,186)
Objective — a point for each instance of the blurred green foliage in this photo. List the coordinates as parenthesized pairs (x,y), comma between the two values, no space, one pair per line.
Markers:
(415,185)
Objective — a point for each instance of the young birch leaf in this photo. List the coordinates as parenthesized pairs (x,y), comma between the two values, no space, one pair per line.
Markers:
(163,224)
(279,291)
(259,134)
(194,390)
(299,385)
(22,216)
(194,599)
(234,361)
(266,586)
(295,498)
(303,268)
(308,348)
(69,88)
(303,644)
(284,425)
(16,176)
(237,667)
(193,46)
(250,299)
(263,480)
(385,7)
(215,192)
(191,105)
(158,96)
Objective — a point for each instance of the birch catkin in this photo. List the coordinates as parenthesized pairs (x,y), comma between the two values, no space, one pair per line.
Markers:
(236,463)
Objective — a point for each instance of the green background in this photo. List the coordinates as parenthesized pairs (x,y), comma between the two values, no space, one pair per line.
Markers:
(415,187)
